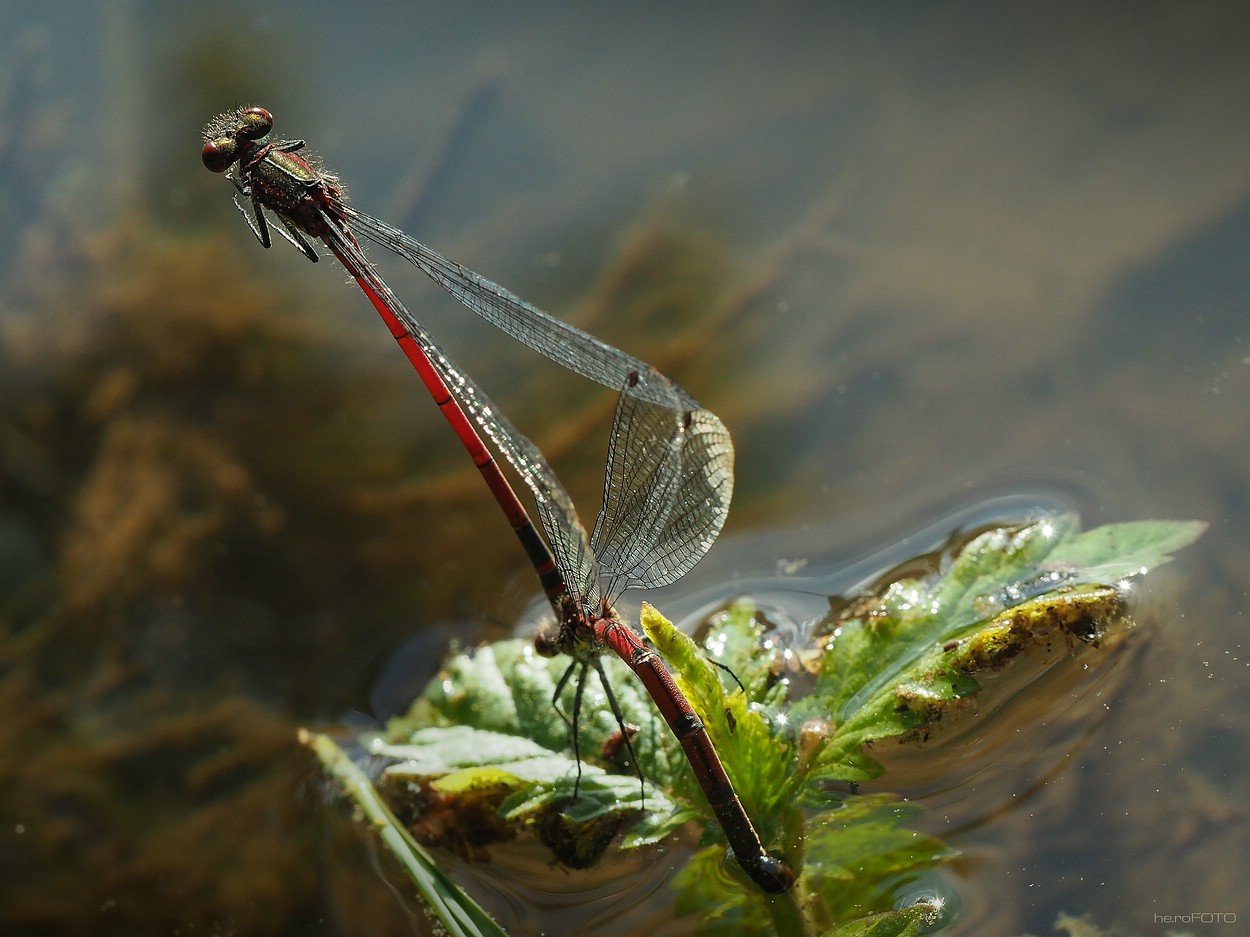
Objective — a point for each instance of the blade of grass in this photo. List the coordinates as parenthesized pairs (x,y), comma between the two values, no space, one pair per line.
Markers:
(459,913)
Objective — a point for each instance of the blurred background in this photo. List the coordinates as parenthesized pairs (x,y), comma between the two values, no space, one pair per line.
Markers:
(929,265)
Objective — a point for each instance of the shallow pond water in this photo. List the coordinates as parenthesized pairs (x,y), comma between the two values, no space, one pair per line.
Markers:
(918,262)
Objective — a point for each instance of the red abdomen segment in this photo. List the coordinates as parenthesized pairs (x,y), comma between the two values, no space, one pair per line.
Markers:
(770,873)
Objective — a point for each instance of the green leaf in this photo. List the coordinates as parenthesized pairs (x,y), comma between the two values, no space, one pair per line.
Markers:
(858,850)
(1115,551)
(897,662)
(907,922)
(499,726)
(756,758)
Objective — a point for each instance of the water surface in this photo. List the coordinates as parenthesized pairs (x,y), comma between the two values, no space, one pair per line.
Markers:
(916,260)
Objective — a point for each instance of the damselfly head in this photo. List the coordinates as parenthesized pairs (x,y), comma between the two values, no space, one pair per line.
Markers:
(547,642)
(222,137)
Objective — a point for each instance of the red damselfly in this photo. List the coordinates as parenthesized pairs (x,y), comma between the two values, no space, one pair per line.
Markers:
(669,475)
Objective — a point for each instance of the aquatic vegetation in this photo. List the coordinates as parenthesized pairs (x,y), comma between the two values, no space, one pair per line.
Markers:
(482,758)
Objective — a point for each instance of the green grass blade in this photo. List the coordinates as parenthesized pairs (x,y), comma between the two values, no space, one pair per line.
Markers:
(459,913)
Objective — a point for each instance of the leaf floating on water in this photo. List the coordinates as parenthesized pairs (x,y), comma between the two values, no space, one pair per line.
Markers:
(494,741)
(952,673)
(897,662)
(1116,551)
(482,756)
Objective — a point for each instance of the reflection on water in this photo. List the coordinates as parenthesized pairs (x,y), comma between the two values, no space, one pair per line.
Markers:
(912,258)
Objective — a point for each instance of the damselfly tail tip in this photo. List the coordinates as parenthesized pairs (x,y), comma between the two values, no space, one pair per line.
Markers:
(772,874)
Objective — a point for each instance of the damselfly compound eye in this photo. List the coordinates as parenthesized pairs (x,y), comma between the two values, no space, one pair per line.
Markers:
(219,154)
(254,123)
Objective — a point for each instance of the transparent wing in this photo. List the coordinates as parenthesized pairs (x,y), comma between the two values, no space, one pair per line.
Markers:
(556,513)
(564,344)
(667,489)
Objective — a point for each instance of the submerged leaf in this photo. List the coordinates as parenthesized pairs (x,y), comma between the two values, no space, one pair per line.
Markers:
(502,738)
(906,922)
(896,663)
(1114,551)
